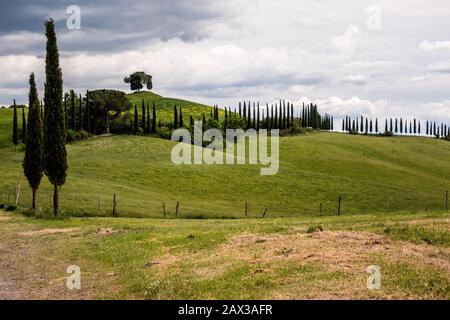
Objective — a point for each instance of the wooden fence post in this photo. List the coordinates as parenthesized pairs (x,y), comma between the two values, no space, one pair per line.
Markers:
(98,205)
(246,209)
(446,200)
(264,214)
(114,213)
(164,210)
(321,209)
(176,210)
(339,204)
(18,190)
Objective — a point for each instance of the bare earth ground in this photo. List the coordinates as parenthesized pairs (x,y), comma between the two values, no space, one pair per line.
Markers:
(292,264)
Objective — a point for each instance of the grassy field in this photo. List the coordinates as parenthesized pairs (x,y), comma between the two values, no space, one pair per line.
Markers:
(164,106)
(275,258)
(373,174)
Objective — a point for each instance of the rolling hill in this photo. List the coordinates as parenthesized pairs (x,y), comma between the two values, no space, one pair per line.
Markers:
(373,174)
(164,106)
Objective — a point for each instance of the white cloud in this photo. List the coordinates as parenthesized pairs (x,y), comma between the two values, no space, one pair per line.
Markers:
(347,41)
(436,45)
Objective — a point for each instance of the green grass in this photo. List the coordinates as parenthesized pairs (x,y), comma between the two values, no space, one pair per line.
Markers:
(373,174)
(164,106)
(226,259)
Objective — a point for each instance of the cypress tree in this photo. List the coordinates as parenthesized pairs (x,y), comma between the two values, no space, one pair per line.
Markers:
(88,112)
(154,118)
(249,117)
(175,117)
(72,103)
(280,117)
(257,121)
(136,120)
(343,124)
(386,126)
(15,136)
(203,119)
(32,162)
(181,118)
(143,115)
(81,113)
(55,154)
(148,119)
(65,112)
(376,125)
(23,136)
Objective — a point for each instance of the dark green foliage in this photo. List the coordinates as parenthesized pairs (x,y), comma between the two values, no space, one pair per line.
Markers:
(15,135)
(81,112)
(148,119)
(138,79)
(32,162)
(181,118)
(55,154)
(23,134)
(175,117)
(143,114)
(72,108)
(154,119)
(136,120)
(104,102)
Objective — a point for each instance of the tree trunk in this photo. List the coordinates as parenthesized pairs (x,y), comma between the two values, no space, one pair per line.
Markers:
(55,200)
(33,204)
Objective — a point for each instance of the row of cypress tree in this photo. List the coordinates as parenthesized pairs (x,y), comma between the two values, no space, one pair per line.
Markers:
(45,147)
(394,126)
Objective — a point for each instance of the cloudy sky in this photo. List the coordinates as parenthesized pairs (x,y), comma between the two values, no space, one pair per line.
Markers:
(375,58)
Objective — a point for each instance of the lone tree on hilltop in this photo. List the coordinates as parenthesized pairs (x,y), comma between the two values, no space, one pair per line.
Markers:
(32,162)
(138,79)
(55,154)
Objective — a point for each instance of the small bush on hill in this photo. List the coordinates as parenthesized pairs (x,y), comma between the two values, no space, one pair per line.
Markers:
(314,228)
(387,134)
(10,207)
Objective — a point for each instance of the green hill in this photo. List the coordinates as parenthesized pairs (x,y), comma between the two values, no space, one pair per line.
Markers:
(373,174)
(164,106)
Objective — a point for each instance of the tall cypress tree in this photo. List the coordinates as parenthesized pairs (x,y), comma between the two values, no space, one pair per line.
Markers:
(55,154)
(136,120)
(143,115)
(148,119)
(15,135)
(88,113)
(23,135)
(154,118)
(175,117)
(181,118)
(65,112)
(32,162)
(81,112)
(72,105)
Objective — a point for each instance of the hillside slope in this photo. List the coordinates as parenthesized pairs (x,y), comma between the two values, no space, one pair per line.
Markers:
(164,106)
(373,174)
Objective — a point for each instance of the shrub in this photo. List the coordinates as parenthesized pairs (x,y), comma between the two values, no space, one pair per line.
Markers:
(387,134)
(70,135)
(296,129)
(314,228)
(10,207)
(447,138)
(2,205)
(164,132)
